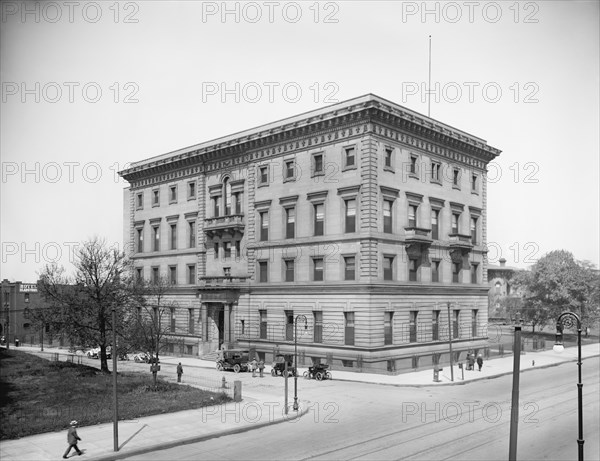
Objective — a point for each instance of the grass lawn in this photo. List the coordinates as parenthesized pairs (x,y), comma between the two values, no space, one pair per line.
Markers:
(37,395)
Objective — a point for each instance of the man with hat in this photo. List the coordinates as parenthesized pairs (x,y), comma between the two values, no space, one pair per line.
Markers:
(72,439)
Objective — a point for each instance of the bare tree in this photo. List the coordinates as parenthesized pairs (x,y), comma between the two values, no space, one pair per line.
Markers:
(151,323)
(80,306)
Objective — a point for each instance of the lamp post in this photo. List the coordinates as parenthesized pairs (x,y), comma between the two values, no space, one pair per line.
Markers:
(7,307)
(296,357)
(570,319)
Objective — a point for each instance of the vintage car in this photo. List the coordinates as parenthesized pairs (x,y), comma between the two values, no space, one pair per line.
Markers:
(233,359)
(278,368)
(318,371)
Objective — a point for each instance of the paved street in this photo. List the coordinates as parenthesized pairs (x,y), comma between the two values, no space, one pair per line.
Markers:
(366,421)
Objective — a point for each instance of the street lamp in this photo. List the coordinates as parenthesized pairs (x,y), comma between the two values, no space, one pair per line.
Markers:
(570,319)
(296,357)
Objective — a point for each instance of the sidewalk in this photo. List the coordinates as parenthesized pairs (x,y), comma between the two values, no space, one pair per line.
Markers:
(168,430)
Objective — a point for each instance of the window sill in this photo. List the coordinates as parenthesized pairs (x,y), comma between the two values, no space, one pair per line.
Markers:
(389,168)
(292,179)
(351,167)
(413,175)
(317,173)
(435,181)
(263,184)
(454,186)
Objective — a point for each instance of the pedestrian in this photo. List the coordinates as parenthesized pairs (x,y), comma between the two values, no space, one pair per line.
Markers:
(253,365)
(261,367)
(72,439)
(471,359)
(587,331)
(479,361)
(179,372)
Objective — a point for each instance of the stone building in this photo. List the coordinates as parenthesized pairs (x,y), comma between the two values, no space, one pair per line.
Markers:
(358,230)
(14,323)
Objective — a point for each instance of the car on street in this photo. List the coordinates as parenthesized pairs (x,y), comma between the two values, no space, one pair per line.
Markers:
(233,359)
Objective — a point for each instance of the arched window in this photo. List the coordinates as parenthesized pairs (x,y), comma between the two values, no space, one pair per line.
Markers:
(227,187)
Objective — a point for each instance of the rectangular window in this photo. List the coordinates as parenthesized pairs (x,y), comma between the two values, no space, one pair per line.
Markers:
(238,203)
(139,274)
(216,210)
(226,250)
(227,271)
(456,178)
(139,201)
(387,216)
(290,223)
(474,231)
(455,220)
(173,194)
(388,263)
(156,197)
(192,274)
(319,210)
(263,175)
(238,249)
(289,270)
(455,272)
(435,229)
(388,337)
(474,183)
(435,171)
(191,190)
(455,329)
(192,234)
(435,326)
(191,321)
(317,164)
(412,327)
(435,271)
(140,240)
(263,271)
(474,323)
(349,328)
(412,215)
(350,215)
(388,157)
(413,164)
(262,314)
(216,250)
(349,268)
(156,238)
(318,269)
(289,325)
(318,326)
(474,269)
(172,327)
(413,268)
(264,226)
(349,157)
(173,236)
(290,170)
(173,275)
(155,275)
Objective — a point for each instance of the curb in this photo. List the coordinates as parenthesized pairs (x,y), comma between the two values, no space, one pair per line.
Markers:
(462,383)
(200,438)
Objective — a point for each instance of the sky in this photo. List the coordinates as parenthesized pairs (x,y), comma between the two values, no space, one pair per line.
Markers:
(90,87)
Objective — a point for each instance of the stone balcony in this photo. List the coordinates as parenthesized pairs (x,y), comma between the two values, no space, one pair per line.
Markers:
(460,241)
(223,280)
(222,226)
(417,235)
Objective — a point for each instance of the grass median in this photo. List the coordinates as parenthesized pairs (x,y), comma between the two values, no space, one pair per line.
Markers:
(37,395)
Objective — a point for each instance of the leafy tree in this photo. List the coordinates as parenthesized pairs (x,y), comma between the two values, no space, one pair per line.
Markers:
(556,283)
(80,306)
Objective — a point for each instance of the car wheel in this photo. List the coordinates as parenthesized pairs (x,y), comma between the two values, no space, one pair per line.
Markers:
(319,376)
(305,374)
(273,372)
(237,368)
(219,367)
(328,375)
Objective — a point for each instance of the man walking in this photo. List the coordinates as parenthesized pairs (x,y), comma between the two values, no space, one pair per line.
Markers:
(72,439)
(179,372)
(479,361)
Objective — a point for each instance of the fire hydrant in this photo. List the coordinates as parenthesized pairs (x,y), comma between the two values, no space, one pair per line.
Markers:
(224,383)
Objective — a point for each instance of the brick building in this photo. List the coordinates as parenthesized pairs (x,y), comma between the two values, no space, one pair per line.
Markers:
(362,225)
(14,324)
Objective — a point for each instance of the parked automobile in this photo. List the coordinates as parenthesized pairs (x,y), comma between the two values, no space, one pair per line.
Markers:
(94,353)
(145,357)
(278,368)
(233,359)
(319,372)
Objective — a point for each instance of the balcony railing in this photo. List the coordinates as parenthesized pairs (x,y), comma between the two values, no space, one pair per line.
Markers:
(223,280)
(460,241)
(417,235)
(222,225)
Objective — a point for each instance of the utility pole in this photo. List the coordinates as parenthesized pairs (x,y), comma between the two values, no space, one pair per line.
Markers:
(514,411)
(450,344)
(114,357)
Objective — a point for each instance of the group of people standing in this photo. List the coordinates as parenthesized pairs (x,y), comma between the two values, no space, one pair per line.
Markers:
(260,366)
(471,361)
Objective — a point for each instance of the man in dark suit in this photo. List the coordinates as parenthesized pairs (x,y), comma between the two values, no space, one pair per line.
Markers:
(72,439)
